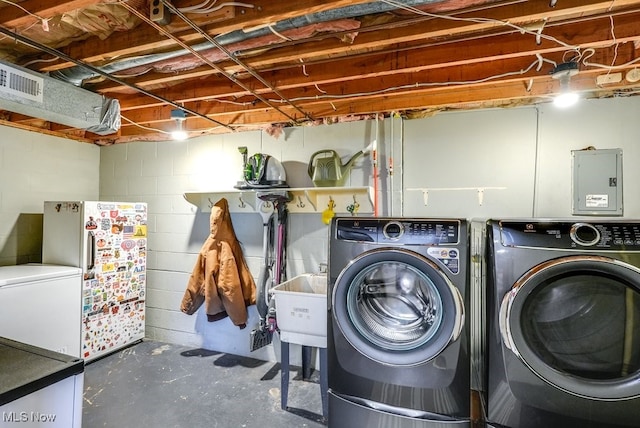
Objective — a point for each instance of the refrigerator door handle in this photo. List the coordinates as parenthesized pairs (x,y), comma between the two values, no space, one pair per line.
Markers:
(91,252)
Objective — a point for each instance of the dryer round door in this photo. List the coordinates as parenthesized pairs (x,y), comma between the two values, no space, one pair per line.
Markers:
(397,307)
(575,322)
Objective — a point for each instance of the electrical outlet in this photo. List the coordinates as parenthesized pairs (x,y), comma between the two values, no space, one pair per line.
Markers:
(159,13)
(607,79)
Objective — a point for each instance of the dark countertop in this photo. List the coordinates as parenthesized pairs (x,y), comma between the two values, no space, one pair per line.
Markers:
(25,369)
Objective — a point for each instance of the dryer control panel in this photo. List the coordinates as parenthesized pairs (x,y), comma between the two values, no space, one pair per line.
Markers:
(569,235)
(399,231)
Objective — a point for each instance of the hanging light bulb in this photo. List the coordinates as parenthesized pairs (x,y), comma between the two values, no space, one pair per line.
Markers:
(179,133)
(563,73)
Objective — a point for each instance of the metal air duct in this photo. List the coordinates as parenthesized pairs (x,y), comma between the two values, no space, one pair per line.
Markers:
(32,94)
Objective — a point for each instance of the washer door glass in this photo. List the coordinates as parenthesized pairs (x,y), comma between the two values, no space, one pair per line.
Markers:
(394,305)
(575,322)
(397,307)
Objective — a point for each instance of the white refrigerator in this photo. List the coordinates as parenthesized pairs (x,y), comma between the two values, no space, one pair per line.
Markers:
(108,242)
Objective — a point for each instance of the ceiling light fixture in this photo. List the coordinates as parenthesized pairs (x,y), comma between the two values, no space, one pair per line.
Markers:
(563,72)
(179,134)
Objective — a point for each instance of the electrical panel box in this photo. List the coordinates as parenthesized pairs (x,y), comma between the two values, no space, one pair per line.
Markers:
(597,182)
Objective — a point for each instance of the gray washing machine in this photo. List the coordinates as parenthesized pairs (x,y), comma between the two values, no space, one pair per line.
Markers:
(563,323)
(397,342)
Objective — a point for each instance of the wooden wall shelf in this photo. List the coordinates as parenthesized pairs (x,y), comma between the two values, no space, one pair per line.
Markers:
(347,200)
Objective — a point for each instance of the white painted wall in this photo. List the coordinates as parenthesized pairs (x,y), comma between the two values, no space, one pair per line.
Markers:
(34,168)
(452,156)
(603,124)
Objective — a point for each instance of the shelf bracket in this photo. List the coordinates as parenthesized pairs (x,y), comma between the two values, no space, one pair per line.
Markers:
(308,196)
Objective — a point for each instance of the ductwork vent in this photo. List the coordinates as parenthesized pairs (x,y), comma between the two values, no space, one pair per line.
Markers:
(37,95)
(21,84)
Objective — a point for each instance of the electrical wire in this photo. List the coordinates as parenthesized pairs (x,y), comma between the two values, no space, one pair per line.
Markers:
(326,95)
(581,55)
(23,30)
(36,61)
(318,88)
(161,131)
(615,50)
(478,21)
(220,6)
(282,36)
(147,128)
(588,53)
(542,59)
(196,6)
(577,54)
(237,103)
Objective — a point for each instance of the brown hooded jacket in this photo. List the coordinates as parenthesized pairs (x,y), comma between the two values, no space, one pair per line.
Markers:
(220,278)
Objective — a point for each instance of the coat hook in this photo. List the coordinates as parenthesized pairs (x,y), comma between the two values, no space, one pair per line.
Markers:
(300,204)
(354,207)
(241,204)
(211,203)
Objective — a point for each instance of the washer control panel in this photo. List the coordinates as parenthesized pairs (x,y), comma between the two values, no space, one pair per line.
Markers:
(567,235)
(399,231)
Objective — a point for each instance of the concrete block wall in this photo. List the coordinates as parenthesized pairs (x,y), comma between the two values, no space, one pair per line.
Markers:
(159,173)
(34,168)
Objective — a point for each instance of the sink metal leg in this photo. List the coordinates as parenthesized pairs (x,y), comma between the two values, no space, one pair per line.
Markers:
(306,362)
(306,370)
(324,383)
(284,374)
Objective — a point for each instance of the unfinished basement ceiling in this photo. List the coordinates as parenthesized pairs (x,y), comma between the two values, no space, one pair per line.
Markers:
(264,64)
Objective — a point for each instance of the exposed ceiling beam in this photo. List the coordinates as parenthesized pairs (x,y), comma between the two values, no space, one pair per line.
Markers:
(427,97)
(14,16)
(463,53)
(368,42)
(265,12)
(468,54)
(147,39)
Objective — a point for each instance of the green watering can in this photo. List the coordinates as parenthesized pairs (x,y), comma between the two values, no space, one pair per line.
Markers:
(326,168)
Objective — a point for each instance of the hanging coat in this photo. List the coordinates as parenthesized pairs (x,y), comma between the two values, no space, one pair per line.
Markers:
(220,278)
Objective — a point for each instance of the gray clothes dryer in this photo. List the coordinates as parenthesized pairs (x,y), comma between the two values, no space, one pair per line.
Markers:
(397,342)
(563,323)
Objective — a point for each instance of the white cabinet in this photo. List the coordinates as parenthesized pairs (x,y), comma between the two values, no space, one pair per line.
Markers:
(39,387)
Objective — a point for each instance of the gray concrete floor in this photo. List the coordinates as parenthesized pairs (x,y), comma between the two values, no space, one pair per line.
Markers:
(154,384)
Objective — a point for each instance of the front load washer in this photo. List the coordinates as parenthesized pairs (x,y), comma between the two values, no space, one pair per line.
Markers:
(563,323)
(397,342)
